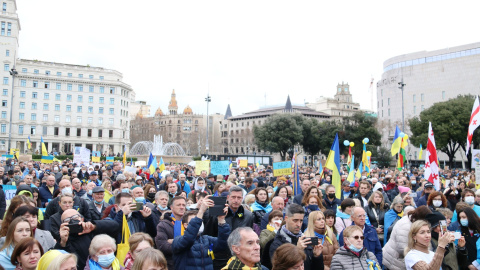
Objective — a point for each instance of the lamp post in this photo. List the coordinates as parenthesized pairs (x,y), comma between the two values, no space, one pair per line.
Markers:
(208,100)
(13,72)
(401,86)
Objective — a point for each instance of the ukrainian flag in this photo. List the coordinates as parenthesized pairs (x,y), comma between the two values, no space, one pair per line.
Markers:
(45,157)
(296,183)
(333,163)
(421,151)
(351,173)
(365,163)
(152,163)
(161,165)
(29,143)
(397,142)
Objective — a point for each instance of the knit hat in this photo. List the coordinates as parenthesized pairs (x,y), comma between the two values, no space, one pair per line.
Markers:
(434,218)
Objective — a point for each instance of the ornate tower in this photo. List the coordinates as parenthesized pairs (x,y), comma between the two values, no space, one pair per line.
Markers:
(172,106)
(343,93)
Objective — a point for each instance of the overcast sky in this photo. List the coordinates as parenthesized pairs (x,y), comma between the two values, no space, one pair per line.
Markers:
(241,51)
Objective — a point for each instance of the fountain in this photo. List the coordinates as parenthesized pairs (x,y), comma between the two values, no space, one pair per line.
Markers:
(157,148)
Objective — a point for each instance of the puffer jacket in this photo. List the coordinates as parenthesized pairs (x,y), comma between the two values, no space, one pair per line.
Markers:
(192,252)
(329,250)
(393,257)
(345,259)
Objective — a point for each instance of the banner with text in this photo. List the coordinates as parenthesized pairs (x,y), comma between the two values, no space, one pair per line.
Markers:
(220,167)
(81,155)
(282,168)
(476,164)
(202,165)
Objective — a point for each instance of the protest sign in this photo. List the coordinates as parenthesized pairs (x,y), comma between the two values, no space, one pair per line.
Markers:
(220,167)
(25,158)
(476,164)
(110,160)
(202,165)
(282,168)
(81,155)
(243,163)
(96,156)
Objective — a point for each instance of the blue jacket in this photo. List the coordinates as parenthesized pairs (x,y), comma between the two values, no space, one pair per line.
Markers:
(370,242)
(44,193)
(388,220)
(5,256)
(422,200)
(186,187)
(192,252)
(136,223)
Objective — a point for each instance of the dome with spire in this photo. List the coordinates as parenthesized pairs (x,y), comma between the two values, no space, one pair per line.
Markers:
(187,110)
(159,112)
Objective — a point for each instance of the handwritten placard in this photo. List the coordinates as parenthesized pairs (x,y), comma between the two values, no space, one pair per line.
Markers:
(220,167)
(202,165)
(282,168)
(243,163)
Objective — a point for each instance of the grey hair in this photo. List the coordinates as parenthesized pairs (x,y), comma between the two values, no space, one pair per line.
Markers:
(235,189)
(236,236)
(160,193)
(168,175)
(121,177)
(100,241)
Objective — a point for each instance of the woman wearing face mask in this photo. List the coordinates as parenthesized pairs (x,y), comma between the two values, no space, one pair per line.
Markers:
(193,250)
(18,230)
(418,256)
(161,206)
(270,192)
(149,193)
(314,203)
(261,206)
(437,200)
(375,211)
(45,238)
(27,254)
(318,228)
(102,254)
(468,196)
(353,255)
(470,229)
(275,219)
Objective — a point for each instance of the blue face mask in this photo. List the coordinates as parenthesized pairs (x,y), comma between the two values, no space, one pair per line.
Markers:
(313,207)
(106,260)
(100,202)
(125,190)
(464,222)
(162,208)
(90,192)
(353,248)
(140,199)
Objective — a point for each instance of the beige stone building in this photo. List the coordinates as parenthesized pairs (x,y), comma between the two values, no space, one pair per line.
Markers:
(338,107)
(237,131)
(139,108)
(185,128)
(429,77)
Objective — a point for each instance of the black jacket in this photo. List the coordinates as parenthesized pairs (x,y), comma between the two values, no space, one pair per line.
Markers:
(79,204)
(94,214)
(79,244)
(3,203)
(371,215)
(359,196)
(311,262)
(332,205)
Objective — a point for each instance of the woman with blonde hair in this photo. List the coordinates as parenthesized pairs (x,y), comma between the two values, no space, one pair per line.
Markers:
(19,229)
(317,227)
(65,261)
(151,259)
(137,242)
(419,256)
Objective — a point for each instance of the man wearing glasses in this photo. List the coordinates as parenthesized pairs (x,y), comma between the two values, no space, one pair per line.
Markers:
(370,242)
(76,234)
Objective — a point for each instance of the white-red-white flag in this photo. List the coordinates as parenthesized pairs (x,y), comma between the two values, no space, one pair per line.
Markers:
(474,123)
(431,160)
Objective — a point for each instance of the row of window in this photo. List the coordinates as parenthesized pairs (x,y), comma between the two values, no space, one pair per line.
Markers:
(58,97)
(58,86)
(422,98)
(9,29)
(248,123)
(59,74)
(68,108)
(56,131)
(68,118)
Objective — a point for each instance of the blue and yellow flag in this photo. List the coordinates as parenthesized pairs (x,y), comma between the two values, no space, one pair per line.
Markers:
(29,143)
(161,165)
(420,154)
(365,163)
(297,188)
(397,142)
(152,163)
(351,173)
(125,156)
(333,163)
(46,158)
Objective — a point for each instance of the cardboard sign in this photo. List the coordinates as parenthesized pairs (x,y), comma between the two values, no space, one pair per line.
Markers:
(202,166)
(110,160)
(81,155)
(25,158)
(282,168)
(243,163)
(220,167)
(96,156)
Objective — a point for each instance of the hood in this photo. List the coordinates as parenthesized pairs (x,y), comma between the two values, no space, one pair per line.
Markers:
(342,215)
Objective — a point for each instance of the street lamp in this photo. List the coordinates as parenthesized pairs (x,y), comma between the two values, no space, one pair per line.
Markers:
(208,100)
(403,117)
(13,72)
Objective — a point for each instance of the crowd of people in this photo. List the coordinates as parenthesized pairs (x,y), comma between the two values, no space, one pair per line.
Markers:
(65,216)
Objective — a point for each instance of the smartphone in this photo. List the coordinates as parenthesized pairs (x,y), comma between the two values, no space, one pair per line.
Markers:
(138,206)
(314,241)
(217,209)
(413,195)
(75,228)
(443,226)
(457,235)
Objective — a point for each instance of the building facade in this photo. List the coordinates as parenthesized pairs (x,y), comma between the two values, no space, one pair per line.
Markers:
(186,128)
(237,131)
(68,105)
(428,77)
(139,108)
(338,107)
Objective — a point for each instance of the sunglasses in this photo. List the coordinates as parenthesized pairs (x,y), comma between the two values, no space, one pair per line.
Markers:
(356,237)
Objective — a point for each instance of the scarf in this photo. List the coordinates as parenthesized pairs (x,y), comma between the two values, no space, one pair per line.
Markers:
(178,228)
(95,266)
(128,262)
(236,264)
(323,237)
(270,228)
(257,206)
(289,233)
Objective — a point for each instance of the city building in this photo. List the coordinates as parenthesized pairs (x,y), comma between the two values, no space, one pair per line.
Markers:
(186,128)
(237,131)
(68,105)
(139,108)
(338,107)
(428,77)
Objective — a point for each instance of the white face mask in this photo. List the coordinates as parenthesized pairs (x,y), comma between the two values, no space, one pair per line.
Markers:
(470,200)
(437,203)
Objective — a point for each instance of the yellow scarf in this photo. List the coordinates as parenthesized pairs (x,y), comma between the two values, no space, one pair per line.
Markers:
(400,215)
(236,264)
(270,228)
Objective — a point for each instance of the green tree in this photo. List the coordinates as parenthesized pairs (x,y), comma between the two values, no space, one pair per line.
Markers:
(327,135)
(280,133)
(383,157)
(450,121)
